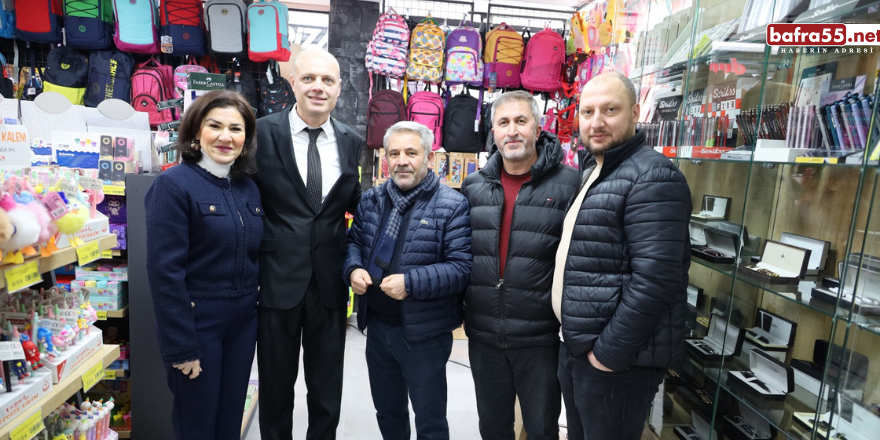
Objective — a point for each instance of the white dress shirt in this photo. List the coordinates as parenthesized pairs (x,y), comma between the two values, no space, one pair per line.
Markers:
(331,168)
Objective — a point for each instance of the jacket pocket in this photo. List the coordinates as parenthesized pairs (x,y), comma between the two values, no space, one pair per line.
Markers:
(207,208)
(255,209)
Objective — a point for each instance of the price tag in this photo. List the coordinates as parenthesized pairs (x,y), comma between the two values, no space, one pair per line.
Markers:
(93,376)
(102,315)
(107,254)
(29,428)
(114,190)
(10,350)
(55,204)
(88,252)
(110,375)
(22,276)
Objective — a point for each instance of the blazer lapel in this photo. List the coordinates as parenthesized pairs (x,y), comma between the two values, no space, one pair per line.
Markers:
(282,137)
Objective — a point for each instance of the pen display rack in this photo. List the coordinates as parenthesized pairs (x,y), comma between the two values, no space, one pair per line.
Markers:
(790,136)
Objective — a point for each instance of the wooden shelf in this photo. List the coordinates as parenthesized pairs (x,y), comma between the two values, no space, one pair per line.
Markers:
(66,388)
(62,257)
(118,313)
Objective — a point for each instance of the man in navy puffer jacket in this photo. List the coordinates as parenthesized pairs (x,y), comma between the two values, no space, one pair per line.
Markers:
(409,257)
(620,284)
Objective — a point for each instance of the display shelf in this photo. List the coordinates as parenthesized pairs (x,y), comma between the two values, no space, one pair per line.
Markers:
(60,258)
(121,313)
(62,391)
(791,404)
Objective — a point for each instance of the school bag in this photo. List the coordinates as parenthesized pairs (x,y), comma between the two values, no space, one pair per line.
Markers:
(384,109)
(228,18)
(67,72)
(426,108)
(464,56)
(426,52)
(542,62)
(88,24)
(276,94)
(137,26)
(34,84)
(152,83)
(243,83)
(387,50)
(7,19)
(181,22)
(109,76)
(502,56)
(267,31)
(460,133)
(181,77)
(38,21)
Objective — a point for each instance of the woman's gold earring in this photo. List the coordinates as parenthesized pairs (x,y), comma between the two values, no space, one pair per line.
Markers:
(195,144)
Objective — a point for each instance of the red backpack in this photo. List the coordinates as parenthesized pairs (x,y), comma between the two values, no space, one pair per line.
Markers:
(181,21)
(542,62)
(150,85)
(426,108)
(38,21)
(385,109)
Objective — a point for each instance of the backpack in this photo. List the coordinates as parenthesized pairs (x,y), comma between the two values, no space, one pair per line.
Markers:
(136,26)
(503,56)
(426,52)
(384,109)
(464,52)
(38,21)
(109,76)
(426,108)
(150,85)
(243,83)
(7,19)
(181,22)
(387,51)
(275,95)
(181,77)
(542,62)
(88,24)
(67,72)
(460,133)
(228,18)
(34,84)
(267,31)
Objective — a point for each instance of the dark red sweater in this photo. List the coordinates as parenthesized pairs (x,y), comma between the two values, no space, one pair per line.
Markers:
(512,185)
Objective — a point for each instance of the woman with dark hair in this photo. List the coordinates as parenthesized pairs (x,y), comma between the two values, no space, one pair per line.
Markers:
(204,227)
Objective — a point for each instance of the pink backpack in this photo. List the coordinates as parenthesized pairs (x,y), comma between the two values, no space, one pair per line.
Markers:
(426,108)
(542,62)
(181,77)
(150,85)
(387,51)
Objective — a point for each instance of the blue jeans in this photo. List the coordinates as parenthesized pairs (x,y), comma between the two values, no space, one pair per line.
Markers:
(601,405)
(502,374)
(396,368)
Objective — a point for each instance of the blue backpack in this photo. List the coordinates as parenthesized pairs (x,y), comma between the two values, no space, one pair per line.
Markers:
(88,24)
(7,19)
(109,76)
(267,31)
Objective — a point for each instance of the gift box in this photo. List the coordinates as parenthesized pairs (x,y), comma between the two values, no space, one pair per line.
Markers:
(818,250)
(121,232)
(105,271)
(723,341)
(100,288)
(767,378)
(749,425)
(700,430)
(109,303)
(861,288)
(721,246)
(772,333)
(713,208)
(780,264)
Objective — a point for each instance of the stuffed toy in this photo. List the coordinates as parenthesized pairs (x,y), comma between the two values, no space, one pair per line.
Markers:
(76,218)
(26,230)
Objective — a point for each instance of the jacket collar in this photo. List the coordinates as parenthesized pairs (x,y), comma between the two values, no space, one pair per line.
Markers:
(549,157)
(219,181)
(616,156)
(426,194)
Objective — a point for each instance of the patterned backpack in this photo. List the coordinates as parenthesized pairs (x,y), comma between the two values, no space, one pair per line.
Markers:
(464,52)
(426,52)
(386,52)
(276,94)
(181,77)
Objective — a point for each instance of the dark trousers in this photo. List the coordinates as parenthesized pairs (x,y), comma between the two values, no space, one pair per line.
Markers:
(502,374)
(210,406)
(397,367)
(602,405)
(322,331)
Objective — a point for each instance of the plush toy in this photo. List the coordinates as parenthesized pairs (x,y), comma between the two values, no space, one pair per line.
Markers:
(76,218)
(6,229)
(26,230)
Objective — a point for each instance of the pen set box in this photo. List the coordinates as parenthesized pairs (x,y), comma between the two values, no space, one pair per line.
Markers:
(860,289)
(767,378)
(772,333)
(700,430)
(720,248)
(749,425)
(780,264)
(723,341)
(818,250)
(809,374)
(713,208)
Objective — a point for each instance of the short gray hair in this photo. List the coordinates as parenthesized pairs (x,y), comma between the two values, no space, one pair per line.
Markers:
(425,134)
(521,96)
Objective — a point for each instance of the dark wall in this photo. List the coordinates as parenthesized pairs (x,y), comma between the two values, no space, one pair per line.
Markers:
(351,28)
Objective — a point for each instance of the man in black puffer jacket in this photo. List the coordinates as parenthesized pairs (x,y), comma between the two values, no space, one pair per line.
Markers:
(517,204)
(621,270)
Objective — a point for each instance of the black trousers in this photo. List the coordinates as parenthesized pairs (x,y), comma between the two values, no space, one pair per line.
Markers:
(321,330)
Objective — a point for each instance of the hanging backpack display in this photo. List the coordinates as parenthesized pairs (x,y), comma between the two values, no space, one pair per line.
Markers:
(38,21)
(228,18)
(88,24)
(460,133)
(503,56)
(182,31)
(542,62)
(464,56)
(109,76)
(137,26)
(67,72)
(151,84)
(426,52)
(267,31)
(181,77)
(7,19)
(426,108)
(387,51)
(385,109)
(276,94)
(243,83)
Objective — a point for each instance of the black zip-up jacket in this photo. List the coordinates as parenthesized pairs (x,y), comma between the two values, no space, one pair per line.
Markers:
(516,312)
(626,275)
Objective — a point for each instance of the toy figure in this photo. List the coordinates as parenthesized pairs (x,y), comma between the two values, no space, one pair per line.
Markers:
(19,369)
(44,336)
(32,355)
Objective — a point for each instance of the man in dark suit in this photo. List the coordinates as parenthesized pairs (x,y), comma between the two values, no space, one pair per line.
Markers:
(308,177)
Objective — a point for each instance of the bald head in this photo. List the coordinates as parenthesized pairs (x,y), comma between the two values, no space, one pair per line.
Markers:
(612,82)
(307,56)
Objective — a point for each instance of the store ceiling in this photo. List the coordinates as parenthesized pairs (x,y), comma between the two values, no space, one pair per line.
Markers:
(324,5)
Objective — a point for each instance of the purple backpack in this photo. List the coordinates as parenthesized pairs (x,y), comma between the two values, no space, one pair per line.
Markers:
(426,108)
(542,62)
(464,57)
